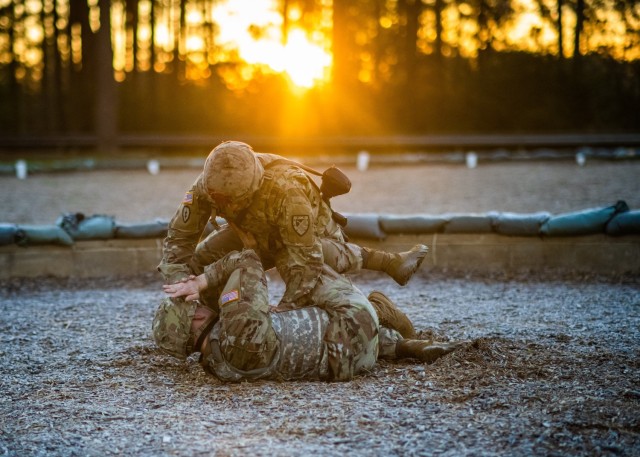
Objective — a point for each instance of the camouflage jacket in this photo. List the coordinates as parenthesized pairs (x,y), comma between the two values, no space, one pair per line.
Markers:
(184,233)
(300,354)
(287,217)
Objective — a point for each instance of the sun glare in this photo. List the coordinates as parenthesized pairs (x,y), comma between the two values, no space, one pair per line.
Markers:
(306,63)
(254,29)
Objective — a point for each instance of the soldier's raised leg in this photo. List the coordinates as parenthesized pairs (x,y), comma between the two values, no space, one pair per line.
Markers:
(341,256)
(346,257)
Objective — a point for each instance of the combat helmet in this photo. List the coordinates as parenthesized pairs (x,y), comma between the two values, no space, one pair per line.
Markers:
(172,327)
(232,173)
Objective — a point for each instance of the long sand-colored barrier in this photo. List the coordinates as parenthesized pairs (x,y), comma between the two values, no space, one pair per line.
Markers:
(483,253)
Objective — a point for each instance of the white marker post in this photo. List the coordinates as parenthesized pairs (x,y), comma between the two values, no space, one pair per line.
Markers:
(153,167)
(472,159)
(363,161)
(21,169)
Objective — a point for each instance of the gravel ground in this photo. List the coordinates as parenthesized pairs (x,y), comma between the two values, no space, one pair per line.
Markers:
(553,368)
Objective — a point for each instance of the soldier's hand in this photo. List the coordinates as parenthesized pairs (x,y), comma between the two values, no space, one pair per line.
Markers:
(189,288)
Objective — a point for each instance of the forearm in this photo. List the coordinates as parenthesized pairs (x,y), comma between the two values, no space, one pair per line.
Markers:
(183,234)
(177,252)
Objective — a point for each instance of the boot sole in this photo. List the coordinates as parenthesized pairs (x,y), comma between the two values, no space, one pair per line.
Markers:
(420,251)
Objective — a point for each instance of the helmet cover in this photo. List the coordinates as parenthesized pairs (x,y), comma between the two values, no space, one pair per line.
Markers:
(172,326)
(232,173)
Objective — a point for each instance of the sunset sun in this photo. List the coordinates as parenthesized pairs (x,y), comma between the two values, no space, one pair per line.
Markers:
(253,29)
(304,62)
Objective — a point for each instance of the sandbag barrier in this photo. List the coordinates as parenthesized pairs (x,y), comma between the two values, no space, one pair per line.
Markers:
(613,220)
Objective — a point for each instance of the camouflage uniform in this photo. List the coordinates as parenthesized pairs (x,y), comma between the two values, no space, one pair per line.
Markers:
(327,329)
(333,341)
(291,224)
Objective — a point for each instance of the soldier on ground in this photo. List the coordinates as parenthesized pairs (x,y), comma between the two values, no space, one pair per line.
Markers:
(277,214)
(243,338)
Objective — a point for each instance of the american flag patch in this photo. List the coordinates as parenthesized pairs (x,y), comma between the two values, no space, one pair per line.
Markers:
(188,198)
(230,296)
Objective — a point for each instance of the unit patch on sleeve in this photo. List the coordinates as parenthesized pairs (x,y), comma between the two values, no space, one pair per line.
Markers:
(229,297)
(186,213)
(300,224)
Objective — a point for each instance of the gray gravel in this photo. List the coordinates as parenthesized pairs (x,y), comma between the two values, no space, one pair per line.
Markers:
(553,369)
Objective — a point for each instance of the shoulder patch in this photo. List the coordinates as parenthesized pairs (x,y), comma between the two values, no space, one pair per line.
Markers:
(231,296)
(300,223)
(188,198)
(186,214)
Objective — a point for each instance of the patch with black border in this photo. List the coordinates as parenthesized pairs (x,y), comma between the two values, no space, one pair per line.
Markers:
(301,223)
(186,213)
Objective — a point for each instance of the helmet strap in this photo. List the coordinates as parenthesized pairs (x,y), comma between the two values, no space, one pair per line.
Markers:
(203,331)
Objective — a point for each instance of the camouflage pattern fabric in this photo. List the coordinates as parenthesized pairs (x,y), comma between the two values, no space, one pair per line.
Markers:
(184,232)
(287,217)
(301,353)
(247,338)
(215,246)
(388,339)
(352,334)
(171,326)
(341,256)
(334,341)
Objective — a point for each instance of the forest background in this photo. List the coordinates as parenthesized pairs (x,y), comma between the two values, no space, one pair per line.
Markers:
(98,70)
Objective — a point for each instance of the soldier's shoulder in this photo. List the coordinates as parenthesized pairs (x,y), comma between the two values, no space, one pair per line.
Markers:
(291,177)
(268,160)
(198,185)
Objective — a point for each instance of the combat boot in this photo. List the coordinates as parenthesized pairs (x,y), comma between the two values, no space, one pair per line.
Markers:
(400,266)
(425,351)
(390,315)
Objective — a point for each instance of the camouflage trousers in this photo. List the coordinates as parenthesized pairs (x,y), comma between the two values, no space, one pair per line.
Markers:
(341,256)
(334,340)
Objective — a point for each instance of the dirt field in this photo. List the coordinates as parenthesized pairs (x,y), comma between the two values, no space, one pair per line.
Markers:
(554,368)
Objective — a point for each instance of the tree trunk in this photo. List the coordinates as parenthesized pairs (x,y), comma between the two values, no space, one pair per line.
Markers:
(410,10)
(341,41)
(106,94)
(437,9)
(132,18)
(560,31)
(51,82)
(152,49)
(17,92)
(578,29)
